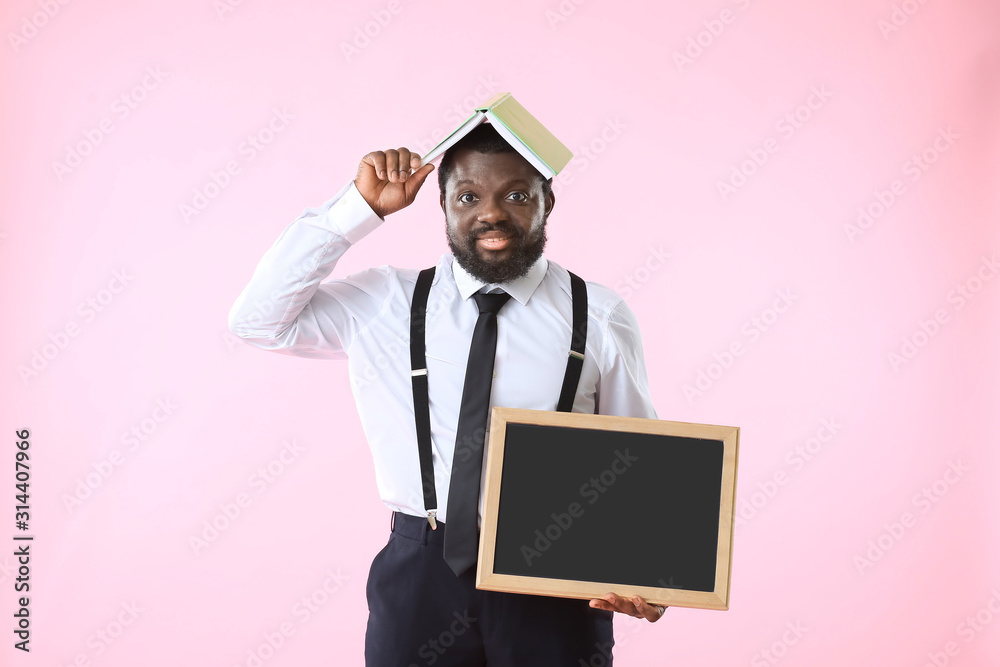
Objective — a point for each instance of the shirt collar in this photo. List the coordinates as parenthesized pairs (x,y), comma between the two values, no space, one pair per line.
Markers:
(520,289)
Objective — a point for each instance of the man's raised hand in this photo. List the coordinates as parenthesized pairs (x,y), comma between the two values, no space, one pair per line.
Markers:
(386,182)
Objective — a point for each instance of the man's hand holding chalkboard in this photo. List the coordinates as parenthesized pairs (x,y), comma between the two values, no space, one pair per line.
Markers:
(385,180)
(634,606)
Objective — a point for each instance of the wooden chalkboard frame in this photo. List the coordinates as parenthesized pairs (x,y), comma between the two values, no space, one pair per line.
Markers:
(487,579)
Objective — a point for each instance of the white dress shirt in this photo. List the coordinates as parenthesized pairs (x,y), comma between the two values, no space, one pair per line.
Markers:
(365,318)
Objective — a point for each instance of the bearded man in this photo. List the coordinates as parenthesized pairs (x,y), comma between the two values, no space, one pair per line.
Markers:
(495,304)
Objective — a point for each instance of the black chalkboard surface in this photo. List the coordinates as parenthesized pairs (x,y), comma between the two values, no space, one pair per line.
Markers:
(581,505)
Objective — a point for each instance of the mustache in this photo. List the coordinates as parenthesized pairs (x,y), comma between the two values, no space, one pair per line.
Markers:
(504,228)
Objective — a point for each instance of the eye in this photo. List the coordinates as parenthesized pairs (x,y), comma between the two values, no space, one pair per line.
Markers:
(466,198)
(519,197)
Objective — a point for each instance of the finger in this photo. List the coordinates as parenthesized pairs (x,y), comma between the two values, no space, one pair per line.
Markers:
(377,160)
(604,605)
(392,164)
(618,604)
(645,610)
(415,161)
(414,182)
(404,163)
(624,605)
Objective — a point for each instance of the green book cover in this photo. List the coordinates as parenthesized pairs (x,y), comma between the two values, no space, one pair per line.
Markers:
(519,128)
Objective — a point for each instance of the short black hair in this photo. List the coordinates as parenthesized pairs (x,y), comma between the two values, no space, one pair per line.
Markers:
(483,139)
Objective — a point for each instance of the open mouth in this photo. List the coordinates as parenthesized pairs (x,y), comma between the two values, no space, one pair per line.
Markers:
(496,237)
(494,241)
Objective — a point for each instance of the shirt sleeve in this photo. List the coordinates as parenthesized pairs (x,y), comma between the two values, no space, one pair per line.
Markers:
(624,389)
(286,308)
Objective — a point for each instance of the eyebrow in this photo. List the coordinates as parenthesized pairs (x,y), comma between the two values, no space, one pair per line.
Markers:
(516,181)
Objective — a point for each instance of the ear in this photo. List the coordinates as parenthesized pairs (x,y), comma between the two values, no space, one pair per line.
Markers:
(442,206)
(550,202)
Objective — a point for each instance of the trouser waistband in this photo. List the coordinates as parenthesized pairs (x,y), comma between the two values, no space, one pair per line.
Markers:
(417,528)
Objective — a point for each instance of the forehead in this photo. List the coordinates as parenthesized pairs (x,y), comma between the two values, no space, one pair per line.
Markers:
(492,169)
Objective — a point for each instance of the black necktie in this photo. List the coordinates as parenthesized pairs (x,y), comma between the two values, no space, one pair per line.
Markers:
(461,543)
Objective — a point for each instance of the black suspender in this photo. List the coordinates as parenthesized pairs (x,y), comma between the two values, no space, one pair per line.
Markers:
(418,366)
(421,407)
(578,344)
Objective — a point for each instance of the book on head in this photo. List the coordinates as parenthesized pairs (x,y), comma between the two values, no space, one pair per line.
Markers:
(518,128)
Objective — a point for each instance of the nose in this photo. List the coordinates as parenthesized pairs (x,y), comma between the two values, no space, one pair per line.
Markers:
(491,210)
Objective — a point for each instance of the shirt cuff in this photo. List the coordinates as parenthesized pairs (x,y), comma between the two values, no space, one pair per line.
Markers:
(351,216)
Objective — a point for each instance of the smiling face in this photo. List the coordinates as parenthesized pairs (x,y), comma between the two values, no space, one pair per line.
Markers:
(496,210)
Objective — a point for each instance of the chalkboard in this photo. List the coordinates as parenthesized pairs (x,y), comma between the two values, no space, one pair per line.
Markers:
(580,505)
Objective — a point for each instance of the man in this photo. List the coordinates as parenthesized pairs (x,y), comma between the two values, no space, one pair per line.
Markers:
(423,605)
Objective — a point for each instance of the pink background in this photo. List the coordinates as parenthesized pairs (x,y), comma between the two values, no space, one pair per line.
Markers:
(838,559)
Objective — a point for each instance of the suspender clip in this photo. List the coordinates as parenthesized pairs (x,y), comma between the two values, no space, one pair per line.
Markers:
(432,519)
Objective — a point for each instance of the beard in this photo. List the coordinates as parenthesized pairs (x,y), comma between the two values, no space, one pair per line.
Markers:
(525,251)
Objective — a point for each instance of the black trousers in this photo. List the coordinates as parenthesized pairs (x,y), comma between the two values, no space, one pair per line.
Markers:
(420,614)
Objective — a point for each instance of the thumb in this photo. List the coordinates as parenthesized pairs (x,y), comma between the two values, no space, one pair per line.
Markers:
(416,180)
